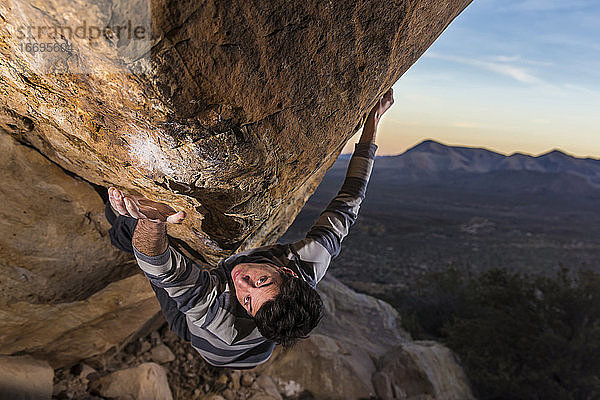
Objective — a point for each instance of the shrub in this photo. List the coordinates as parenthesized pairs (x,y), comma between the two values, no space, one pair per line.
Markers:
(518,336)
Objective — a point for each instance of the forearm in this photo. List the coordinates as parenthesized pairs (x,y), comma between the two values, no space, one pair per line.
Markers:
(324,239)
(192,288)
(341,213)
(370,129)
(150,238)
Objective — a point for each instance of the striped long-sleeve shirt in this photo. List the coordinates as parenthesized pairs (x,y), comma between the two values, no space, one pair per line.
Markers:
(220,328)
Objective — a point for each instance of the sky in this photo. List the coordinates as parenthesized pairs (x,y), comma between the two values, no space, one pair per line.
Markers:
(507,75)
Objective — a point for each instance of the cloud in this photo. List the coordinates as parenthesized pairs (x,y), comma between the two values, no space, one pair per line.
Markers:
(518,73)
(581,89)
(506,58)
(520,60)
(499,64)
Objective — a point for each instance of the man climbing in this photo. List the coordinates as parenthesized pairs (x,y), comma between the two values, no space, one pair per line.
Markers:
(234,314)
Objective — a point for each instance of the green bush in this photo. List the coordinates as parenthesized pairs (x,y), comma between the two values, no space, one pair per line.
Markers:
(518,336)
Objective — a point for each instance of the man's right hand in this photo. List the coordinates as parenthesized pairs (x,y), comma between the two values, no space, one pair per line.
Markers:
(143,209)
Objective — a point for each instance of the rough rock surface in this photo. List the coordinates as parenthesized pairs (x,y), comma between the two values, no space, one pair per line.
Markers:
(24,378)
(359,351)
(162,354)
(54,244)
(67,332)
(235,113)
(147,381)
(56,261)
(422,367)
(266,383)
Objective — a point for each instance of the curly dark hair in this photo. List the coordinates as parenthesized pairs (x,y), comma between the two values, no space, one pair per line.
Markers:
(292,314)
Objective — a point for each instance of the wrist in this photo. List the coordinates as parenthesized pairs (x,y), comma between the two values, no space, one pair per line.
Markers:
(150,238)
(152,226)
(373,118)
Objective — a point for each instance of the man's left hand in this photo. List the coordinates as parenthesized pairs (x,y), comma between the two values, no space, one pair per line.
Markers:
(143,209)
(383,104)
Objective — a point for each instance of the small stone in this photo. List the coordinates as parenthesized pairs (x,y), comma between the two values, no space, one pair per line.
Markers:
(247,380)
(146,381)
(197,392)
(235,380)
(155,338)
(222,379)
(86,371)
(266,383)
(189,357)
(220,383)
(162,354)
(144,347)
(228,394)
(290,388)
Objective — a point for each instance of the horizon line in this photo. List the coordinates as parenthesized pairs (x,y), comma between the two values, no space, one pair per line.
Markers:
(487,149)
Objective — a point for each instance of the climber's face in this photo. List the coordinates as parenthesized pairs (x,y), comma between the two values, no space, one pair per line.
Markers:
(255,284)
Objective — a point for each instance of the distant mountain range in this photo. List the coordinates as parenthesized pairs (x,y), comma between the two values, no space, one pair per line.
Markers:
(437,204)
(430,159)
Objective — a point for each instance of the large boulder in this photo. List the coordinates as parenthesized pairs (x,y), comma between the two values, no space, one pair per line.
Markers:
(65,333)
(352,317)
(328,367)
(147,381)
(231,110)
(421,368)
(25,378)
(54,244)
